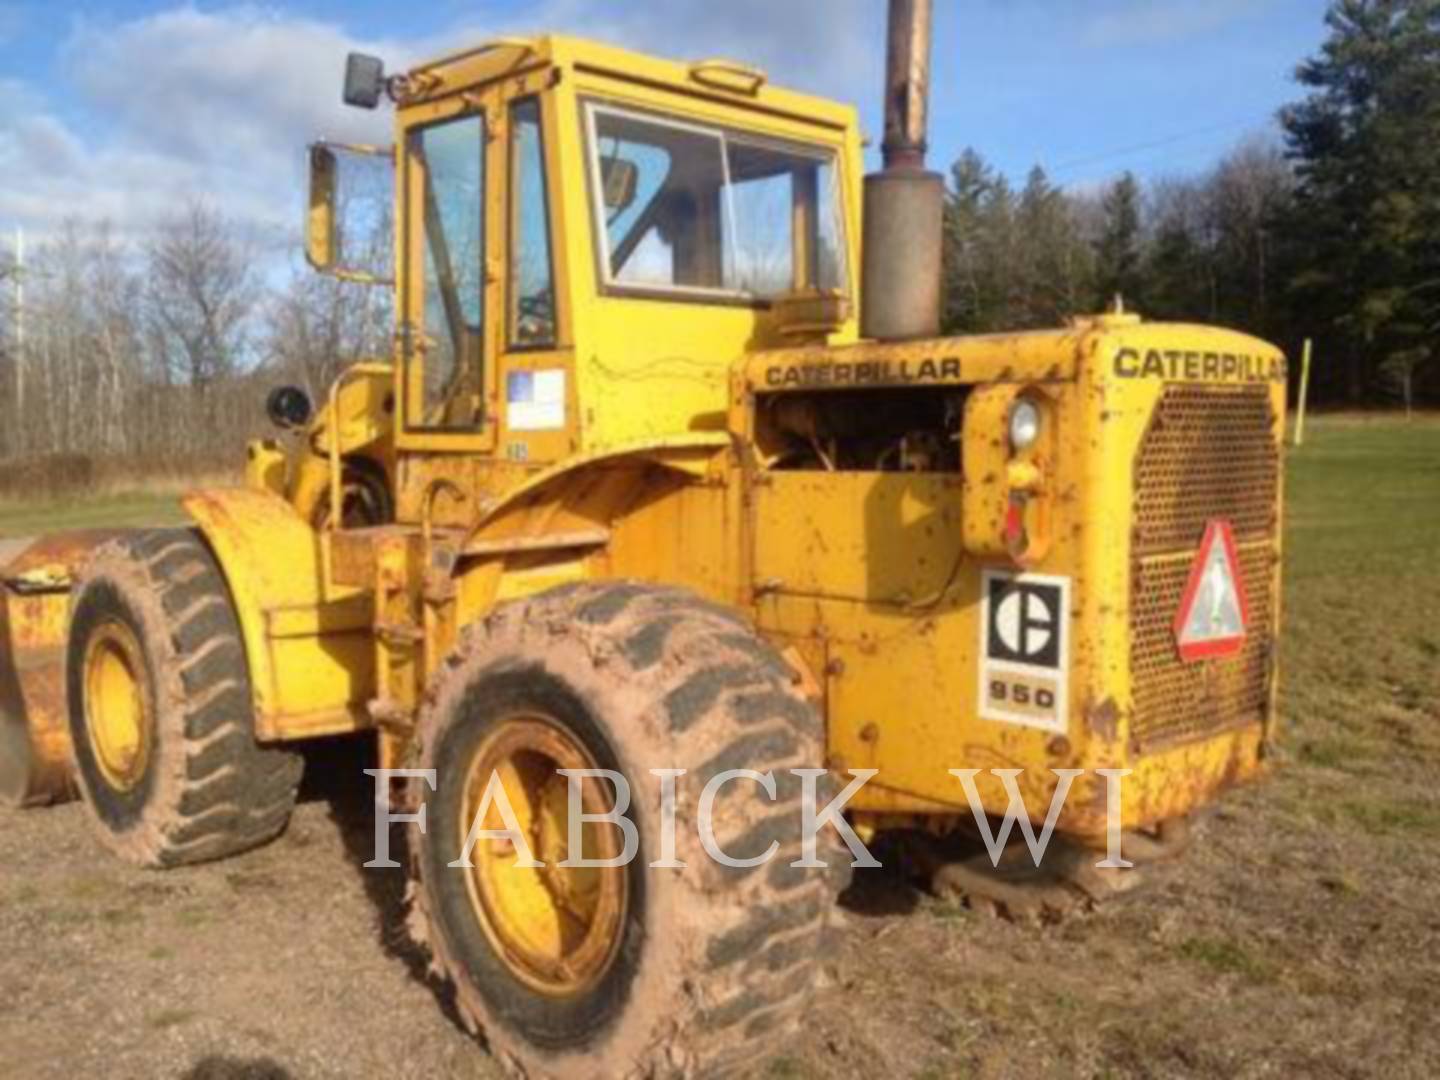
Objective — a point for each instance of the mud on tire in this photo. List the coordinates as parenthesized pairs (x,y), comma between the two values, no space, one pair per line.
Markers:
(715,964)
(203,788)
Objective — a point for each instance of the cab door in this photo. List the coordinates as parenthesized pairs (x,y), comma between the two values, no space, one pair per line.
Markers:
(486,335)
(451,312)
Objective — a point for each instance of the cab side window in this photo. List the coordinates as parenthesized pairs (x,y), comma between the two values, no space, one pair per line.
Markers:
(532,285)
(684,207)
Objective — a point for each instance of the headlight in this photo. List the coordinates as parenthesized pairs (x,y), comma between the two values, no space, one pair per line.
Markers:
(1024,425)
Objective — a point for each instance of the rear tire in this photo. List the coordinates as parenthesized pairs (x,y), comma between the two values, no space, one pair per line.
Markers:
(713,966)
(160,708)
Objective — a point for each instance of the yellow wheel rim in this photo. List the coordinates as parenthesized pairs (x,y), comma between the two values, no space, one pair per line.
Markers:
(556,929)
(117,705)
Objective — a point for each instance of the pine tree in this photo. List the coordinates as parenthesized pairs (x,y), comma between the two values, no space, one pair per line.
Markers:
(1179,271)
(1053,264)
(970,182)
(1366,220)
(1001,294)
(1118,250)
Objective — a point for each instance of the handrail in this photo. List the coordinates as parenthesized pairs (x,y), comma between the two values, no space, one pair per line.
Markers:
(720,74)
(337,502)
(427,504)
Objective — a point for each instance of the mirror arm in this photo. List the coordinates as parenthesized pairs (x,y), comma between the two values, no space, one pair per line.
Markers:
(358,277)
(365,149)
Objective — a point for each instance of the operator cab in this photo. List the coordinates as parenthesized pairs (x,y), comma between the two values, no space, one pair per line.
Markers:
(587,242)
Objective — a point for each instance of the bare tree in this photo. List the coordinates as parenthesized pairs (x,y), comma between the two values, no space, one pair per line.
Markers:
(316,327)
(9,361)
(203,295)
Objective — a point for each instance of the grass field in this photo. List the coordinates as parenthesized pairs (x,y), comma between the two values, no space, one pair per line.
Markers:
(1362,641)
(26,517)
(1299,937)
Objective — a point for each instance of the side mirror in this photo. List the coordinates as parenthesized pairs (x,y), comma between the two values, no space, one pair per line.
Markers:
(619,180)
(320,220)
(288,407)
(364,80)
(348,219)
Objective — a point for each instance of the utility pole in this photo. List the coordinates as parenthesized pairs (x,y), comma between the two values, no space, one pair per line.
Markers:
(19,323)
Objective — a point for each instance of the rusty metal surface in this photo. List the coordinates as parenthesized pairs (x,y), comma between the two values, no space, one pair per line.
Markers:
(907,83)
(35,577)
(67,550)
(35,751)
(904,212)
(1208,454)
(904,204)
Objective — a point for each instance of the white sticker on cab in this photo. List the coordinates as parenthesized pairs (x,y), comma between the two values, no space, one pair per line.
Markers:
(535,400)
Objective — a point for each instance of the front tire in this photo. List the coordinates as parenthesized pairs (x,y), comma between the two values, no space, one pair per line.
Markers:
(160,708)
(630,971)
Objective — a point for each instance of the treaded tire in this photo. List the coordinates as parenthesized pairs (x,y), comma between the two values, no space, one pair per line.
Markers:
(208,790)
(716,965)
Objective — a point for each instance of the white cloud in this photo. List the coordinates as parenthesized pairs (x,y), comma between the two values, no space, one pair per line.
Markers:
(212,87)
(174,106)
(832,47)
(219,103)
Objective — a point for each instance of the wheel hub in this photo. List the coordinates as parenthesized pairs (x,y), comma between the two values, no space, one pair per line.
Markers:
(117,705)
(556,928)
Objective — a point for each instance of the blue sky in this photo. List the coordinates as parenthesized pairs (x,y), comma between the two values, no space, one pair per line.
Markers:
(115,109)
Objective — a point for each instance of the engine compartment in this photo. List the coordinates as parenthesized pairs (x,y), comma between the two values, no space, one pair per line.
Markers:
(892,429)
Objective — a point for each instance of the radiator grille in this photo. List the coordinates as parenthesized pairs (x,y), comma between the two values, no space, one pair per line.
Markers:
(1209,453)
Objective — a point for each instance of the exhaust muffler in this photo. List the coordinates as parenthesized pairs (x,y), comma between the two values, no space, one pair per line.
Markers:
(904,202)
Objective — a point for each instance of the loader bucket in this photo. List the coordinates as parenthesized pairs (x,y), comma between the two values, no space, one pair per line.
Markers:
(35,580)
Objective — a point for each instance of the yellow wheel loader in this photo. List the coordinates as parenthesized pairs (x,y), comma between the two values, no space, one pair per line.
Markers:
(671,477)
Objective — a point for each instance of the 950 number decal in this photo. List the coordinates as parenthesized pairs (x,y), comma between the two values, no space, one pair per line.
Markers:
(1021,695)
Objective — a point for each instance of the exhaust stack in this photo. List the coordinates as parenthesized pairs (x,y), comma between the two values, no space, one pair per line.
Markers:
(904,202)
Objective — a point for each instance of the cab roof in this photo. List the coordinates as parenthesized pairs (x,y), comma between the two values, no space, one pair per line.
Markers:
(718,80)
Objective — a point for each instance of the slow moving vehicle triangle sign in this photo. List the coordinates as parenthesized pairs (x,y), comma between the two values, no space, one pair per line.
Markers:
(1213,616)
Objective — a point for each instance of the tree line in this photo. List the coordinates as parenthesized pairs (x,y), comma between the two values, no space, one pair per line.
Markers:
(158,352)
(1199,249)
(1330,231)
(159,349)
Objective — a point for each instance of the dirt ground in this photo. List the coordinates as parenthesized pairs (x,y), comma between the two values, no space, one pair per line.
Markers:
(1301,935)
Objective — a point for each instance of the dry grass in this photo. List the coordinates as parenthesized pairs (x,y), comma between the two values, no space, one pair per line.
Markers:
(117,496)
(68,476)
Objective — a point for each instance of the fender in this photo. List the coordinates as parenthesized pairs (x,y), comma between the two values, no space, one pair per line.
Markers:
(692,454)
(309,646)
(560,524)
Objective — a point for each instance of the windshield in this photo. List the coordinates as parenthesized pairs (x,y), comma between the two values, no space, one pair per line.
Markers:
(690,208)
